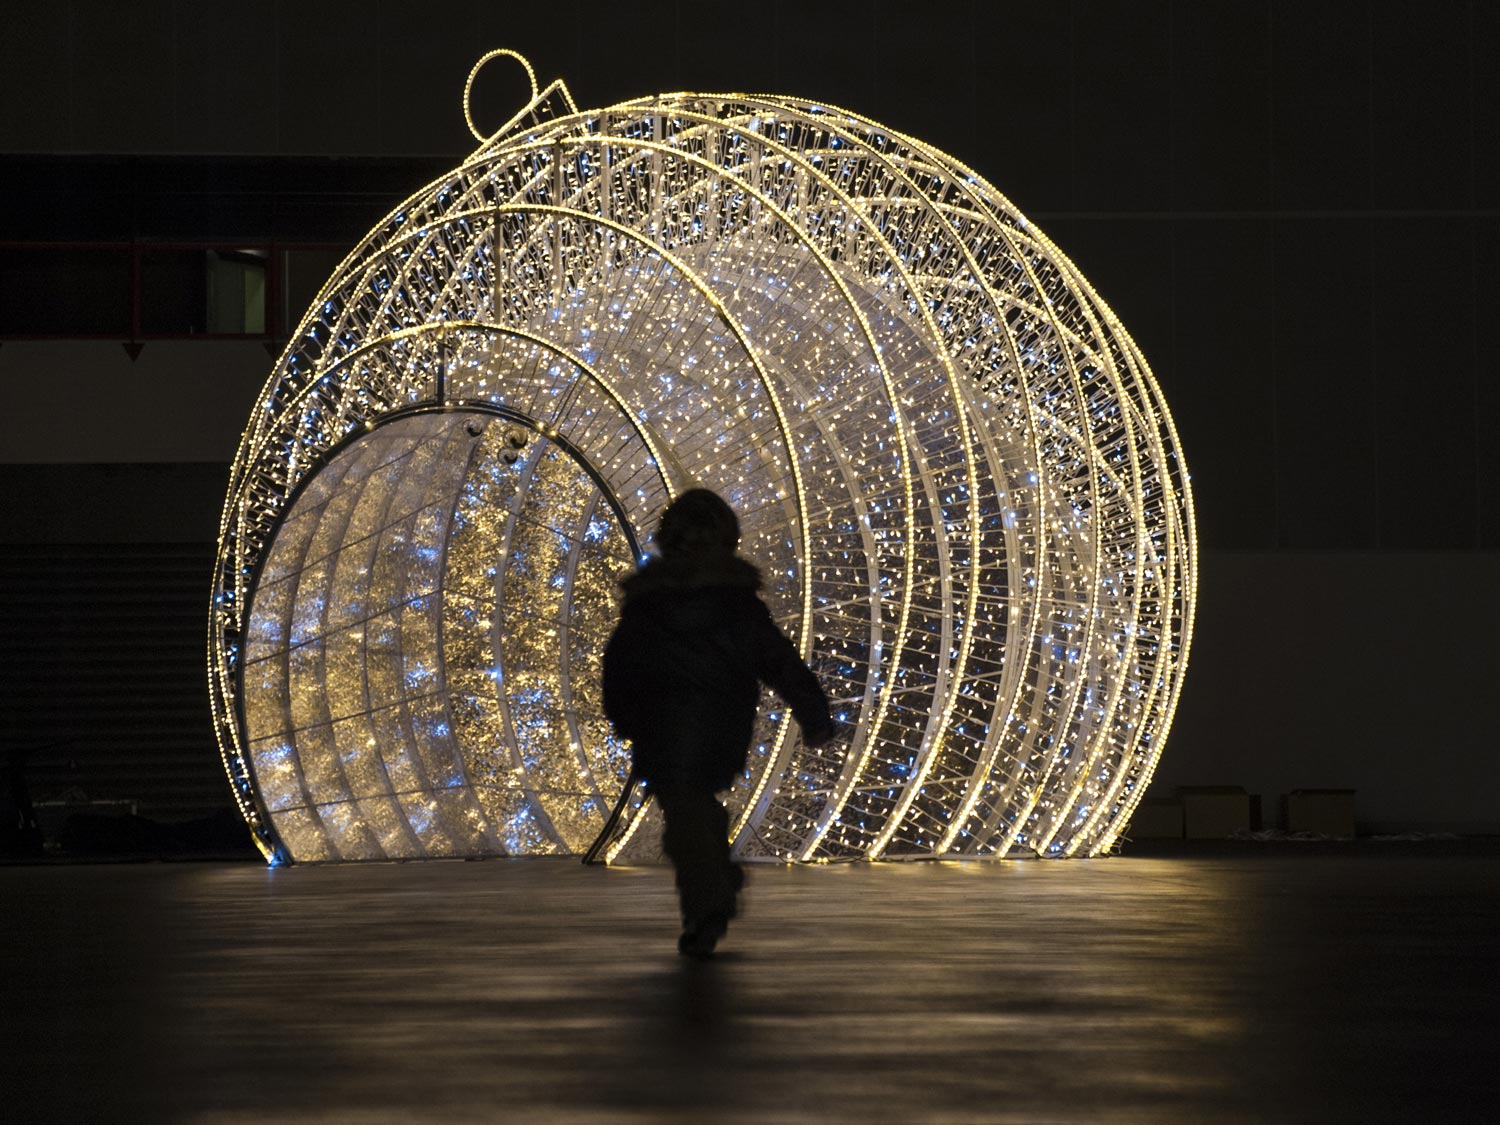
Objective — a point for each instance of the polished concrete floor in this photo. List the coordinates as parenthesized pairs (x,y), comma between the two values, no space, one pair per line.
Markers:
(1346,986)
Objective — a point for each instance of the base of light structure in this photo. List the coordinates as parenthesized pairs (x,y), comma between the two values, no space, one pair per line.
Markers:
(948,456)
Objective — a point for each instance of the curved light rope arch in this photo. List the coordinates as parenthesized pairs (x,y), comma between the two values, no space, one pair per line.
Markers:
(641,142)
(1071,365)
(443,798)
(1090,315)
(854,771)
(932,743)
(852,774)
(1173,525)
(912,789)
(930,757)
(766,382)
(852,305)
(1130,437)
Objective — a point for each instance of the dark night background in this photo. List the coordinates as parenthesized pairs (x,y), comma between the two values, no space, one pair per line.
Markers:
(1294,207)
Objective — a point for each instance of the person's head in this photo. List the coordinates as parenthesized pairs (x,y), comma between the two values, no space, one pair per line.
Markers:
(698,523)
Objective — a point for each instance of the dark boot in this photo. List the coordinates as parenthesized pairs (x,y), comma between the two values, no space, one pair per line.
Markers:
(700,936)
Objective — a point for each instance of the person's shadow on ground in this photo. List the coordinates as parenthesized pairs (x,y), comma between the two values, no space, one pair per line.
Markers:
(683,1046)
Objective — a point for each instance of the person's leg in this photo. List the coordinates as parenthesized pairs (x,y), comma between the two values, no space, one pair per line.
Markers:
(696,840)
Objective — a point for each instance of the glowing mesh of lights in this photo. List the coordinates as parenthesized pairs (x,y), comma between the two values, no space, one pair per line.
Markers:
(948,455)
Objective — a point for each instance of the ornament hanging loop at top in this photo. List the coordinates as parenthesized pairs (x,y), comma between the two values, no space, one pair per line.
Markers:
(474,73)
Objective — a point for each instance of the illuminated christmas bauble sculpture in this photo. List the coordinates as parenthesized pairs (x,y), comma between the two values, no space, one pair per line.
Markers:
(949,458)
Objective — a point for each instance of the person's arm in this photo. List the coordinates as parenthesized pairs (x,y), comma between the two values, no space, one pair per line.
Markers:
(620,693)
(778,664)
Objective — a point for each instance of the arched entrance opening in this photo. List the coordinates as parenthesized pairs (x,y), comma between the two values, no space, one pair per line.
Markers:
(422,654)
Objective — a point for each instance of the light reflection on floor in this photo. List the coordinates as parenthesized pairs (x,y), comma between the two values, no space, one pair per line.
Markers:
(1285,988)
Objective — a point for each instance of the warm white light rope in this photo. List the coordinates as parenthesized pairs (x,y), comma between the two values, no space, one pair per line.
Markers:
(950,458)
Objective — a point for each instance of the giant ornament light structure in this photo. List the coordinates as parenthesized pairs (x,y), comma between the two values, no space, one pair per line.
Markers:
(950,459)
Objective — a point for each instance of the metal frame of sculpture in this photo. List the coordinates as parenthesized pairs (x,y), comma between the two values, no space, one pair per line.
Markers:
(951,459)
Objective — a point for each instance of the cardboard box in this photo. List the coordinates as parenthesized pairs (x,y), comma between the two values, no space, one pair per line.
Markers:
(1328,812)
(1212,812)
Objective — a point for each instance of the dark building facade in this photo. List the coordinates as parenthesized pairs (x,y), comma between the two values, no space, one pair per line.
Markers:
(1294,209)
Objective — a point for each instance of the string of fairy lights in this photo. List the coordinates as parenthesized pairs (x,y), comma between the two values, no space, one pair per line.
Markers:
(949,458)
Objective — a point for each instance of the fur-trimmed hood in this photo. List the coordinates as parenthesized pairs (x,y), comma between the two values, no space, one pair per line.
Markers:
(691,573)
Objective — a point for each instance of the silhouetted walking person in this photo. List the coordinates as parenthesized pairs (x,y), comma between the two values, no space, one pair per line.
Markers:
(682,677)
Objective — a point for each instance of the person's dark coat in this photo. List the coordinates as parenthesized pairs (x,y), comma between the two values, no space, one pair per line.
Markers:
(682,671)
